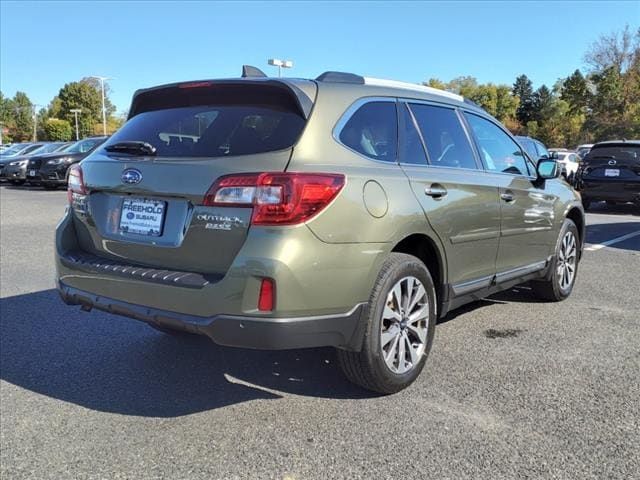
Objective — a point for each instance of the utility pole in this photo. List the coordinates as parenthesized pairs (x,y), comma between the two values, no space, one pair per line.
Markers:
(104,109)
(35,124)
(75,112)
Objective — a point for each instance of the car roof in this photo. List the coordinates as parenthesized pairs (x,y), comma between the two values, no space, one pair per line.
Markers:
(617,143)
(305,89)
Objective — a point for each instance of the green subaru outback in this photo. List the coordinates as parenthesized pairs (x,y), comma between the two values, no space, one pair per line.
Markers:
(284,213)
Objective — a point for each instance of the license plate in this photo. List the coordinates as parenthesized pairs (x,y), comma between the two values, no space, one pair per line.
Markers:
(142,216)
(611,172)
(32,173)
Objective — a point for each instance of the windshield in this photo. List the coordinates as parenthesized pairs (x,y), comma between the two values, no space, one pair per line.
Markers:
(14,150)
(84,145)
(214,131)
(48,148)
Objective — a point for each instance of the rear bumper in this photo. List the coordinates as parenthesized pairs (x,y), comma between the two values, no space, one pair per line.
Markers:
(337,330)
(614,191)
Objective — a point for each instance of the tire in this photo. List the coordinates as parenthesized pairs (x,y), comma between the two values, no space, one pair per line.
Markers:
(387,321)
(564,266)
(611,203)
(50,186)
(17,182)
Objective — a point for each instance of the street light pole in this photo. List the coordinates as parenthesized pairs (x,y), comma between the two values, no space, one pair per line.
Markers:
(35,124)
(276,62)
(75,112)
(104,109)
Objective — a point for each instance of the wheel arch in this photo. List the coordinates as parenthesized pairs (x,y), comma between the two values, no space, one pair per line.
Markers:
(426,249)
(577,216)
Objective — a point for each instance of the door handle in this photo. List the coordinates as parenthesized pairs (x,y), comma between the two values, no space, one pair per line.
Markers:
(507,196)
(435,191)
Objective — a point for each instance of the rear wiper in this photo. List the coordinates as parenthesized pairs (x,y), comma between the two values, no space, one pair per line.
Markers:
(134,148)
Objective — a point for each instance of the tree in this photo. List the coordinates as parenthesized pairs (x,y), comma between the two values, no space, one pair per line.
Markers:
(575,91)
(464,86)
(86,97)
(58,130)
(506,104)
(24,117)
(523,89)
(435,83)
(614,110)
(7,118)
(543,103)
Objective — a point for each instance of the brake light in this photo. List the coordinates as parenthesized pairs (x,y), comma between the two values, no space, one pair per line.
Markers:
(266,300)
(277,198)
(75,183)
(195,84)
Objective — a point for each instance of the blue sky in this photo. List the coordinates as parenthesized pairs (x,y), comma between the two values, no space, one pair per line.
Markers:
(140,44)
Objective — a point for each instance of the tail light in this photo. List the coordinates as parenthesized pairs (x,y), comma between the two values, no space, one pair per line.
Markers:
(277,198)
(75,183)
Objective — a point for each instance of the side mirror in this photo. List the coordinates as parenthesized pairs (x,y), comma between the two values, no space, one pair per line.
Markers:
(547,168)
(554,155)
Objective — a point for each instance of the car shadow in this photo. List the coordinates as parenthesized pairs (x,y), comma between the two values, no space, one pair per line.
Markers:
(113,364)
(598,233)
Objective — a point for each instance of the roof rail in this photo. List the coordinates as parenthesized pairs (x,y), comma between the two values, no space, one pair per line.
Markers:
(249,71)
(380,82)
(471,102)
(340,77)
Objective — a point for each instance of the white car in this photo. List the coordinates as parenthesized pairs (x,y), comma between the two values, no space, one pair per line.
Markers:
(583,149)
(569,164)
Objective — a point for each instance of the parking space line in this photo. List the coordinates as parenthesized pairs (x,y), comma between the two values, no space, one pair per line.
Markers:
(599,246)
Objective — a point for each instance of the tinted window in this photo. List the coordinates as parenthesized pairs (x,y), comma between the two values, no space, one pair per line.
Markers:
(411,148)
(529,147)
(214,130)
(445,139)
(373,131)
(499,152)
(84,145)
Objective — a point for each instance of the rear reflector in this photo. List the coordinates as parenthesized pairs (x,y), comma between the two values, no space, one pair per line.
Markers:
(277,198)
(266,302)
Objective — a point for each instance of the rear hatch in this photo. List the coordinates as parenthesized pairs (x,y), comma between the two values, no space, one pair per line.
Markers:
(146,185)
(614,162)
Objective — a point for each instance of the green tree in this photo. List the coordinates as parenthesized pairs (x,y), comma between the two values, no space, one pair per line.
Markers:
(465,86)
(575,91)
(523,89)
(58,130)
(506,104)
(23,119)
(614,110)
(85,95)
(435,83)
(543,104)
(7,118)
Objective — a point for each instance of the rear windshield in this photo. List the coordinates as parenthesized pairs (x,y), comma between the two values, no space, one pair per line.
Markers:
(214,130)
(622,152)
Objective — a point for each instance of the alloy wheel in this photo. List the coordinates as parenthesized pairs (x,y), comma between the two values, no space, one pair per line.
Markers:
(405,319)
(567,256)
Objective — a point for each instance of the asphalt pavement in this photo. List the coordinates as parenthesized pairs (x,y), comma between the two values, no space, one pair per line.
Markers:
(514,387)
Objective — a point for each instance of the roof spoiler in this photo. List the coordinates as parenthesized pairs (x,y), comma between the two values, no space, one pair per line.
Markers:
(249,71)
(340,77)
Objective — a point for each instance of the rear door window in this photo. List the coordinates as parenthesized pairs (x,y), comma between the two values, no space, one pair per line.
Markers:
(373,131)
(498,151)
(446,141)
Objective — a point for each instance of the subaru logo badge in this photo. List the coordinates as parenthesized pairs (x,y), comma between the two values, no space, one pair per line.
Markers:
(612,162)
(131,176)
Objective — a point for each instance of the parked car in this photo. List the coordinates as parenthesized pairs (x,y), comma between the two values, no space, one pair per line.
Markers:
(535,148)
(568,162)
(583,149)
(51,170)
(340,211)
(15,171)
(611,172)
(24,150)
(17,149)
